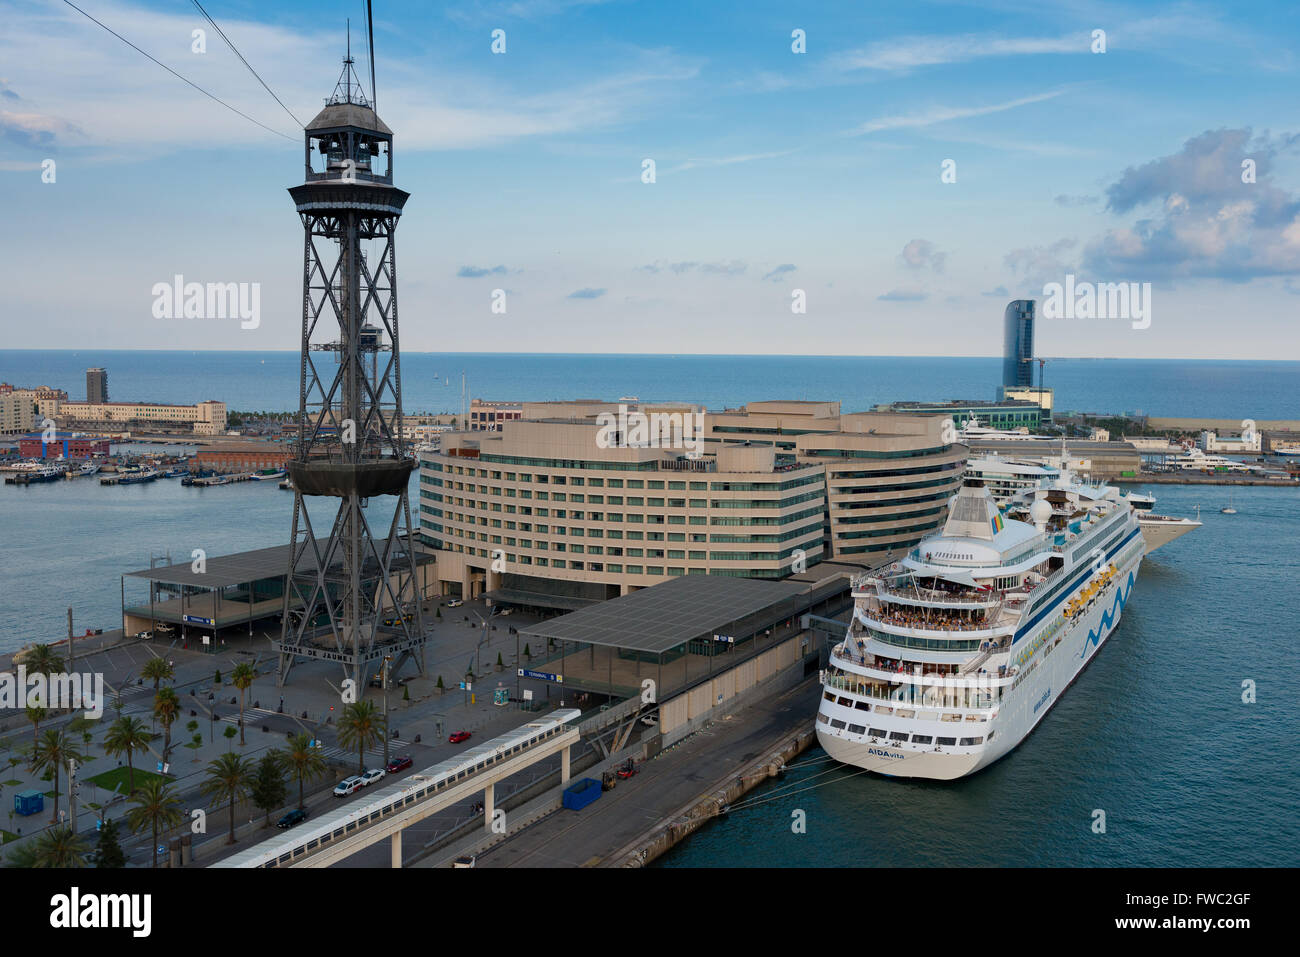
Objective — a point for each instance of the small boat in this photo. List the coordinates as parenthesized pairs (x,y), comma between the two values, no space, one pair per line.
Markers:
(88,468)
(268,475)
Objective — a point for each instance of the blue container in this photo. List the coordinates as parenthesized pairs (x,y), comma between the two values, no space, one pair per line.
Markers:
(29,802)
(579,795)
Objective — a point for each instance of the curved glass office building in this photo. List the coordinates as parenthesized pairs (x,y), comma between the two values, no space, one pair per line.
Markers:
(1018,343)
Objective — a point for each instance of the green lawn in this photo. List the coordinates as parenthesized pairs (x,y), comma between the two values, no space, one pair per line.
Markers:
(7,836)
(12,783)
(117,776)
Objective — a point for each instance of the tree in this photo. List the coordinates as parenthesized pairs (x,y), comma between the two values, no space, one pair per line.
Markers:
(305,762)
(43,659)
(230,734)
(57,847)
(127,735)
(229,779)
(440,685)
(216,679)
(156,806)
(157,669)
(52,753)
(360,725)
(108,850)
(36,716)
(269,789)
(242,678)
(166,708)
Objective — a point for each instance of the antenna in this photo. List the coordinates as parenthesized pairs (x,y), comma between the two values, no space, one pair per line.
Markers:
(370,32)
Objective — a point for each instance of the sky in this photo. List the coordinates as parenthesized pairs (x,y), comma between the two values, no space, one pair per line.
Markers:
(915,168)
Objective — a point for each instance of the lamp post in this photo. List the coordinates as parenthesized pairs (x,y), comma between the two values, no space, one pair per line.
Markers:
(387,659)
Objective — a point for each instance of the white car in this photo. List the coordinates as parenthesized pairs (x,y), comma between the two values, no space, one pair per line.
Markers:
(371,776)
(507,611)
(455,603)
(348,786)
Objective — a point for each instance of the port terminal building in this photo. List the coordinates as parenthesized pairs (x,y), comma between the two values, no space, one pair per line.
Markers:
(685,651)
(225,595)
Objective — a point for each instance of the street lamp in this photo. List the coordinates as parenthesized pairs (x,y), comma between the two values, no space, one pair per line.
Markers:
(387,659)
(483,639)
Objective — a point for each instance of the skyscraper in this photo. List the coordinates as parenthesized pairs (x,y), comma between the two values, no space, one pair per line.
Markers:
(96,385)
(1018,343)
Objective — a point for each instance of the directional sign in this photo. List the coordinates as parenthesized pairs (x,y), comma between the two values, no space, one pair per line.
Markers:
(199,620)
(541,675)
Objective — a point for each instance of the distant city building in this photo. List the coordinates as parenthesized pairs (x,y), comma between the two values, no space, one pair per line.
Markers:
(1018,343)
(96,386)
(16,414)
(1043,398)
(66,445)
(1007,415)
(487,416)
(1238,444)
(205,418)
(241,457)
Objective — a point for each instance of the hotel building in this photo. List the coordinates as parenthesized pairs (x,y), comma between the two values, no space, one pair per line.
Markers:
(547,511)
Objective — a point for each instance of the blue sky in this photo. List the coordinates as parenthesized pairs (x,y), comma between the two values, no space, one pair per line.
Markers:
(776,172)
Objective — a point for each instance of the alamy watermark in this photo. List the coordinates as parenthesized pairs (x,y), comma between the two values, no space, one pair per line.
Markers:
(62,691)
(1107,300)
(214,300)
(655,430)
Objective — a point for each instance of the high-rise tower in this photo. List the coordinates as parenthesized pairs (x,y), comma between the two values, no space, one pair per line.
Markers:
(352,594)
(1018,343)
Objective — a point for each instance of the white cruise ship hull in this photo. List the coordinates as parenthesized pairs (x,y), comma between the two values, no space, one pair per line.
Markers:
(1053,671)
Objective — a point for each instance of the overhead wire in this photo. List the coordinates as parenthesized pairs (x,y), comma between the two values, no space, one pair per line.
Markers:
(235,50)
(178,76)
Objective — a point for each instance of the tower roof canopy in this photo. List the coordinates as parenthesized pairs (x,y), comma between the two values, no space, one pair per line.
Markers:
(338,115)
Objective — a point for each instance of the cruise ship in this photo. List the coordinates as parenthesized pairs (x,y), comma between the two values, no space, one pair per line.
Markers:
(956,652)
(1007,478)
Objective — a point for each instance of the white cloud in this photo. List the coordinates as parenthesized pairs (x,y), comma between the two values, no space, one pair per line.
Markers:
(942,114)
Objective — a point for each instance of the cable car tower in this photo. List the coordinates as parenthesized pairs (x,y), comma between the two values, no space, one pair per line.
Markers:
(352,594)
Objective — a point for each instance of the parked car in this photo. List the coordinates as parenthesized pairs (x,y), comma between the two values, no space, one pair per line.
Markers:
(650,720)
(400,763)
(457,737)
(293,818)
(347,786)
(455,603)
(507,611)
(394,620)
(371,776)
(144,635)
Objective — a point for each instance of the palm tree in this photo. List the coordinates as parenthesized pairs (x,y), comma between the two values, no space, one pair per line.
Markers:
(242,677)
(158,670)
(360,725)
(230,778)
(43,659)
(57,847)
(54,750)
(306,762)
(127,735)
(36,716)
(166,708)
(156,805)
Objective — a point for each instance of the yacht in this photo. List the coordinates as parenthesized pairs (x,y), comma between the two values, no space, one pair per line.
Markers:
(1195,460)
(973,431)
(955,653)
(1006,478)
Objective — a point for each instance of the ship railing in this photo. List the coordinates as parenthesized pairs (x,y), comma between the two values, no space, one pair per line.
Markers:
(938,595)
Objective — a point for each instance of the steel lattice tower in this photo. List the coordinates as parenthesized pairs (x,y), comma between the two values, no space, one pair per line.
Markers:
(357,584)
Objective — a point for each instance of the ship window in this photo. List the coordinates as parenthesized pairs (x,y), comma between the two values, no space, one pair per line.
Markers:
(862,705)
(829,697)
(857,729)
(836,723)
(847,702)
(877,732)
(898,736)
(922,738)
(945,741)
(822,718)
(970,741)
